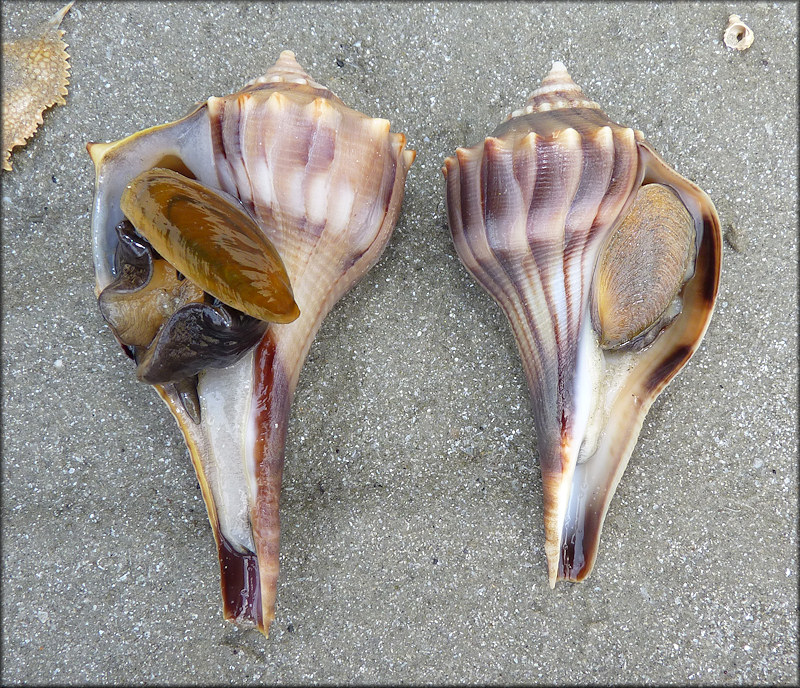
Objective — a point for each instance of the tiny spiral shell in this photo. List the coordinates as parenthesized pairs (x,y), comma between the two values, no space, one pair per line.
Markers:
(738,35)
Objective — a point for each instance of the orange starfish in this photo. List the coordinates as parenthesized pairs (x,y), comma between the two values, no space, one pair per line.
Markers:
(35,76)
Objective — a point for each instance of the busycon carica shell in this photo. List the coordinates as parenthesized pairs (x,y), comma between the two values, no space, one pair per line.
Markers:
(324,184)
(606,263)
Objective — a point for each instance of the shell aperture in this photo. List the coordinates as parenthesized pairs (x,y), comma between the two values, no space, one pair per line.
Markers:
(566,218)
(324,184)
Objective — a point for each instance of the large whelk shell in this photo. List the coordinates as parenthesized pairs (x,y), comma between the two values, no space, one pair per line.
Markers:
(324,184)
(606,263)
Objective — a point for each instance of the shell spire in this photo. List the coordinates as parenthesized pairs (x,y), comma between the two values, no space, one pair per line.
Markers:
(287,67)
(556,92)
(286,70)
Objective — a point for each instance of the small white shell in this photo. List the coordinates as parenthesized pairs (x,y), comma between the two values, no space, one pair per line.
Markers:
(738,35)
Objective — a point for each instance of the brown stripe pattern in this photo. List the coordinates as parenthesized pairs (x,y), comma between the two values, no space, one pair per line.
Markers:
(325,184)
(528,213)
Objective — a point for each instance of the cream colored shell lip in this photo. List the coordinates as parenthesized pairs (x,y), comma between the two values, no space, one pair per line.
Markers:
(738,35)
(35,77)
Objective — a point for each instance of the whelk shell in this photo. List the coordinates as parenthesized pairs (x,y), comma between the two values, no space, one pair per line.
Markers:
(324,184)
(606,263)
(35,77)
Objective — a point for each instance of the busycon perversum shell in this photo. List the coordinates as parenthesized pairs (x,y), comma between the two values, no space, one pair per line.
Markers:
(322,185)
(606,263)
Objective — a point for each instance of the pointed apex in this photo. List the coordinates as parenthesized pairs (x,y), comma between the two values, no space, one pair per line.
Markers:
(557,91)
(557,80)
(286,70)
(559,70)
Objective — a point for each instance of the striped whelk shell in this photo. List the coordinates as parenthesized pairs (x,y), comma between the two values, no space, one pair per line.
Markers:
(221,241)
(606,263)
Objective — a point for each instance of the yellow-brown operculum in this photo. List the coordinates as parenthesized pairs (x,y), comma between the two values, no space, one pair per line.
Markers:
(203,295)
(647,259)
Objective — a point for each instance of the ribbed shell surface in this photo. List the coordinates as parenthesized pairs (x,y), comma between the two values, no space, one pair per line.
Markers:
(318,177)
(529,210)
